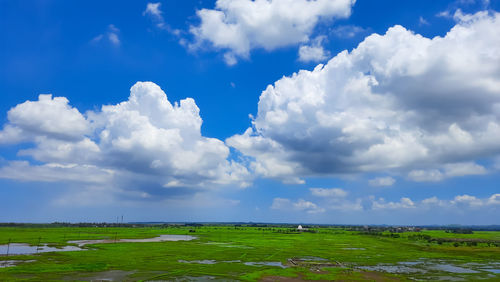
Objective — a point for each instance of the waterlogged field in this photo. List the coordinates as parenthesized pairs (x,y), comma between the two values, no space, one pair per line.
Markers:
(245,253)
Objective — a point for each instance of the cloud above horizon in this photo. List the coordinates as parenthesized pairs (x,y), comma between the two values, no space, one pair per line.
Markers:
(144,144)
(424,108)
(399,104)
(238,26)
(371,203)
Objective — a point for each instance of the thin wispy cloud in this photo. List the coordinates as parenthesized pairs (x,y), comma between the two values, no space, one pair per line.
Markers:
(111,36)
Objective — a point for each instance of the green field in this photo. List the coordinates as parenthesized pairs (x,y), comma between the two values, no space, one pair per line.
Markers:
(253,253)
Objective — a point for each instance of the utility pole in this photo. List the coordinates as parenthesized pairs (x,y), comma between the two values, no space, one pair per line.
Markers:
(38,245)
(8,247)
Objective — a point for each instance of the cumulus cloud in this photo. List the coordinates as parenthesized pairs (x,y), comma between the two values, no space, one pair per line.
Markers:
(238,26)
(48,117)
(397,102)
(313,52)
(143,143)
(467,200)
(382,181)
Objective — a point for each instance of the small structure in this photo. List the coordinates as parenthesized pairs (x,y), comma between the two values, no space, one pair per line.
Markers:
(301,229)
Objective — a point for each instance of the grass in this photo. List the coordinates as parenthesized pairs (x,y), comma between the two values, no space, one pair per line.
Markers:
(160,260)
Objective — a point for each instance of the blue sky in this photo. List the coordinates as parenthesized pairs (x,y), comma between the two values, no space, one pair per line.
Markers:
(251,111)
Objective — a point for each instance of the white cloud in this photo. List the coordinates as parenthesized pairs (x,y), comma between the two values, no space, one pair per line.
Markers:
(238,26)
(111,35)
(463,201)
(494,200)
(347,31)
(467,200)
(144,143)
(371,204)
(113,38)
(53,172)
(307,206)
(284,204)
(397,102)
(433,201)
(404,203)
(444,14)
(313,52)
(48,117)
(280,204)
(448,171)
(426,175)
(328,192)
(422,21)
(153,11)
(382,181)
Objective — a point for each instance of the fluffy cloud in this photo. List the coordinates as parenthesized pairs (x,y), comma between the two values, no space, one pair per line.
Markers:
(48,117)
(382,181)
(313,52)
(398,101)
(142,143)
(237,26)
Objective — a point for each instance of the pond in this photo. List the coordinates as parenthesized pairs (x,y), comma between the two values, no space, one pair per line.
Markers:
(26,249)
(161,238)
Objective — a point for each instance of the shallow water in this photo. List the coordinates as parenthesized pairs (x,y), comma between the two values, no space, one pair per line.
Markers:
(424,266)
(266,263)
(25,249)
(311,258)
(228,245)
(393,269)
(205,261)
(452,268)
(492,270)
(410,262)
(11,263)
(161,238)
